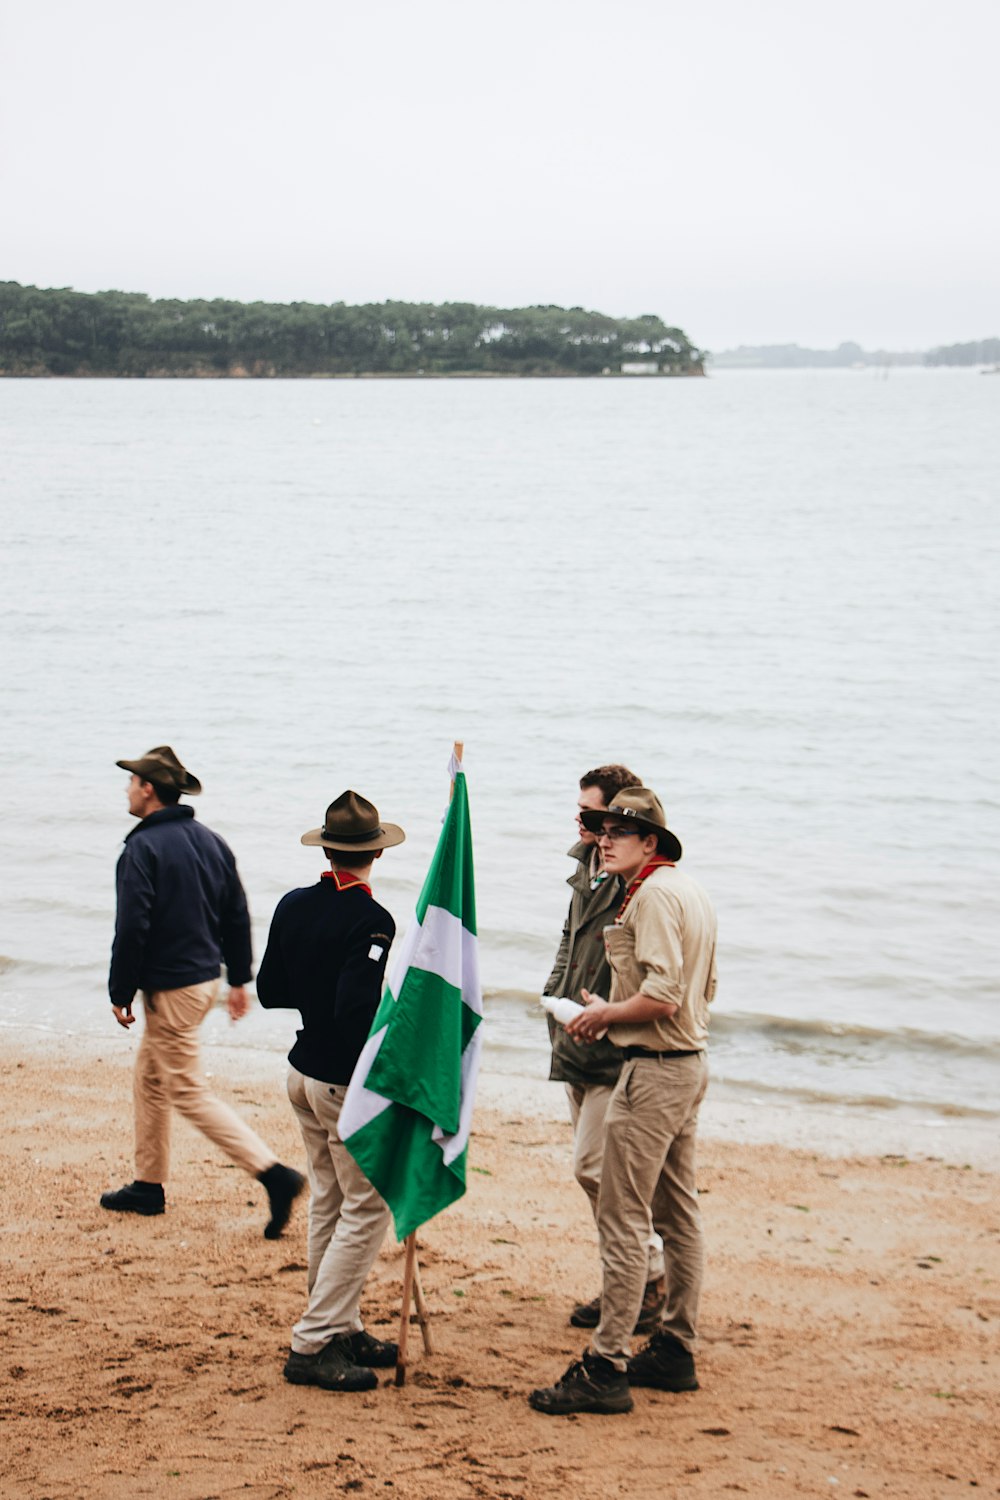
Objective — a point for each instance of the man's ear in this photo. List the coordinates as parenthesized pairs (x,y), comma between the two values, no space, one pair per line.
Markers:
(378,853)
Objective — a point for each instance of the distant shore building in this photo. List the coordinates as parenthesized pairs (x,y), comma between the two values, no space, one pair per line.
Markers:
(640,367)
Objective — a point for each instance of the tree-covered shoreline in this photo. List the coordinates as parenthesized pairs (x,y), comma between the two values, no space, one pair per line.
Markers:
(58,331)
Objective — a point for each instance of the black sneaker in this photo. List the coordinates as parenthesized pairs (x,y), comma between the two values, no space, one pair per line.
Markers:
(137,1198)
(283,1185)
(332,1368)
(590,1384)
(664,1364)
(365,1349)
(654,1300)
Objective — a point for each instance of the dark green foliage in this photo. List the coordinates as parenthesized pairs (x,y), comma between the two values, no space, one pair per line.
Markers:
(56,331)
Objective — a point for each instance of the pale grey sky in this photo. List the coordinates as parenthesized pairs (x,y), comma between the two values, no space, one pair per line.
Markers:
(757,173)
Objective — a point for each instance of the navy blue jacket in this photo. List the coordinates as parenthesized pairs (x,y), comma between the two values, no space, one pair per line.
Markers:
(181,908)
(325,956)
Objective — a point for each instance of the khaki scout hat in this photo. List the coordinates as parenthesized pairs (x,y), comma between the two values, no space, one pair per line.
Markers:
(642,804)
(162,766)
(352,822)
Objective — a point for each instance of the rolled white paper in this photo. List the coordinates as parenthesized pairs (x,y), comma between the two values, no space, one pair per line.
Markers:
(565,1010)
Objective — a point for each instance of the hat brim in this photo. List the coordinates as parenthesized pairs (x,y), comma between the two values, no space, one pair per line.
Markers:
(189,787)
(388,835)
(669,844)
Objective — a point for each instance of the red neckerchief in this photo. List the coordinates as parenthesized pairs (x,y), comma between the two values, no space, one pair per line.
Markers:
(344,879)
(644,873)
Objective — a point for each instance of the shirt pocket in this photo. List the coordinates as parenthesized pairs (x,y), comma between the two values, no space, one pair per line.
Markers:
(619,943)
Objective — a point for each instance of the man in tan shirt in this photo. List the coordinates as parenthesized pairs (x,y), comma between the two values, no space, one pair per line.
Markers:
(662,954)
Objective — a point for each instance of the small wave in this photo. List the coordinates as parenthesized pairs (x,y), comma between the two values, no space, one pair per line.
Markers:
(30,905)
(10,965)
(507,996)
(944,1108)
(731,1024)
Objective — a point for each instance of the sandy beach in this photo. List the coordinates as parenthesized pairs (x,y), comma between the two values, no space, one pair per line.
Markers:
(849,1326)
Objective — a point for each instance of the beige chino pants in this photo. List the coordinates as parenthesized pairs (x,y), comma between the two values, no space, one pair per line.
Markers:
(588,1108)
(168,1076)
(347,1218)
(649,1172)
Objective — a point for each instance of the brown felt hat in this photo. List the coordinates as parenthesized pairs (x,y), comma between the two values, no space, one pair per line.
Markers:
(352,822)
(162,766)
(644,806)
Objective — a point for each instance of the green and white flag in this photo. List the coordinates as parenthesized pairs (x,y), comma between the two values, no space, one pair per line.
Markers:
(408,1110)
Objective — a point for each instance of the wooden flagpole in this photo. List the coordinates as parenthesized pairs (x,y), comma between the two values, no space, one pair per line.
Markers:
(412,1288)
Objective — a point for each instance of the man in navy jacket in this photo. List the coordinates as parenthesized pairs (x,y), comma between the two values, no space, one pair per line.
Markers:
(181,912)
(326,957)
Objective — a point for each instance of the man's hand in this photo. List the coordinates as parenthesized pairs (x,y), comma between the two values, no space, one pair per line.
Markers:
(237,1002)
(593,1022)
(123,1015)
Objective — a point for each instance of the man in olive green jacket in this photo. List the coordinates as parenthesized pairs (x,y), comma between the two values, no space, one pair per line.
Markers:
(590,1071)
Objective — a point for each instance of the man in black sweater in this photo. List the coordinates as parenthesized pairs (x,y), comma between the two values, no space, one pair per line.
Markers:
(181,911)
(326,957)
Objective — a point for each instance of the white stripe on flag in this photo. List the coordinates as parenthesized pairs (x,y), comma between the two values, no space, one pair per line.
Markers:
(441,945)
(362,1105)
(454,1145)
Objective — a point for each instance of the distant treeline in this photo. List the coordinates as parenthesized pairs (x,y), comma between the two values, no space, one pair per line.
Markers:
(983,352)
(57,331)
(846,356)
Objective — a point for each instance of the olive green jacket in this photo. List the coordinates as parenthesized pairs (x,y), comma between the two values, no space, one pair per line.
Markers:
(581,964)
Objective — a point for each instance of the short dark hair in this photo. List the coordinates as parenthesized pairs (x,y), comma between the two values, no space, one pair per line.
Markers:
(168,795)
(610,780)
(356,860)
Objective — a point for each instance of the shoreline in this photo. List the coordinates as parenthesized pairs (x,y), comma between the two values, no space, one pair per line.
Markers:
(848,1330)
(736,1113)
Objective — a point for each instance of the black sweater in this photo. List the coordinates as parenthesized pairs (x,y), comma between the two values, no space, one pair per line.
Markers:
(181,908)
(325,957)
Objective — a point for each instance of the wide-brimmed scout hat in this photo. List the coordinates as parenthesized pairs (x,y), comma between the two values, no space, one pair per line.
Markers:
(352,822)
(162,766)
(643,805)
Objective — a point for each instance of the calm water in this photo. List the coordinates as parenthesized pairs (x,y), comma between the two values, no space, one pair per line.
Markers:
(772,594)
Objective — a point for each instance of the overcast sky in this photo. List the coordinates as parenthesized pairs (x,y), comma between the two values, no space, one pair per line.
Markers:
(766,172)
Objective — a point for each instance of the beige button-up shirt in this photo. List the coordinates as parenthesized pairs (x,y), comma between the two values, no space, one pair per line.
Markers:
(665,948)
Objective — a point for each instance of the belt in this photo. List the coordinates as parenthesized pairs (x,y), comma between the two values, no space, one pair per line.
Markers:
(630,1052)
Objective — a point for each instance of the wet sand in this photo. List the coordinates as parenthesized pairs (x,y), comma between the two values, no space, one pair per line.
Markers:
(849,1324)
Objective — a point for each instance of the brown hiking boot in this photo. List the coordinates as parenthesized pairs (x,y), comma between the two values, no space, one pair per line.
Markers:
(654,1300)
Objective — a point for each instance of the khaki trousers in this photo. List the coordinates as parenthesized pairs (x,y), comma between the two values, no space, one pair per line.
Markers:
(168,1076)
(347,1218)
(649,1174)
(588,1108)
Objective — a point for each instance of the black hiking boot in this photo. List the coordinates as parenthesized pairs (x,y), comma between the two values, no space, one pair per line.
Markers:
(664,1364)
(333,1368)
(365,1349)
(137,1198)
(283,1185)
(590,1384)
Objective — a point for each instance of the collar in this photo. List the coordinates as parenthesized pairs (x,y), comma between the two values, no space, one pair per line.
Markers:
(344,879)
(161,815)
(656,863)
